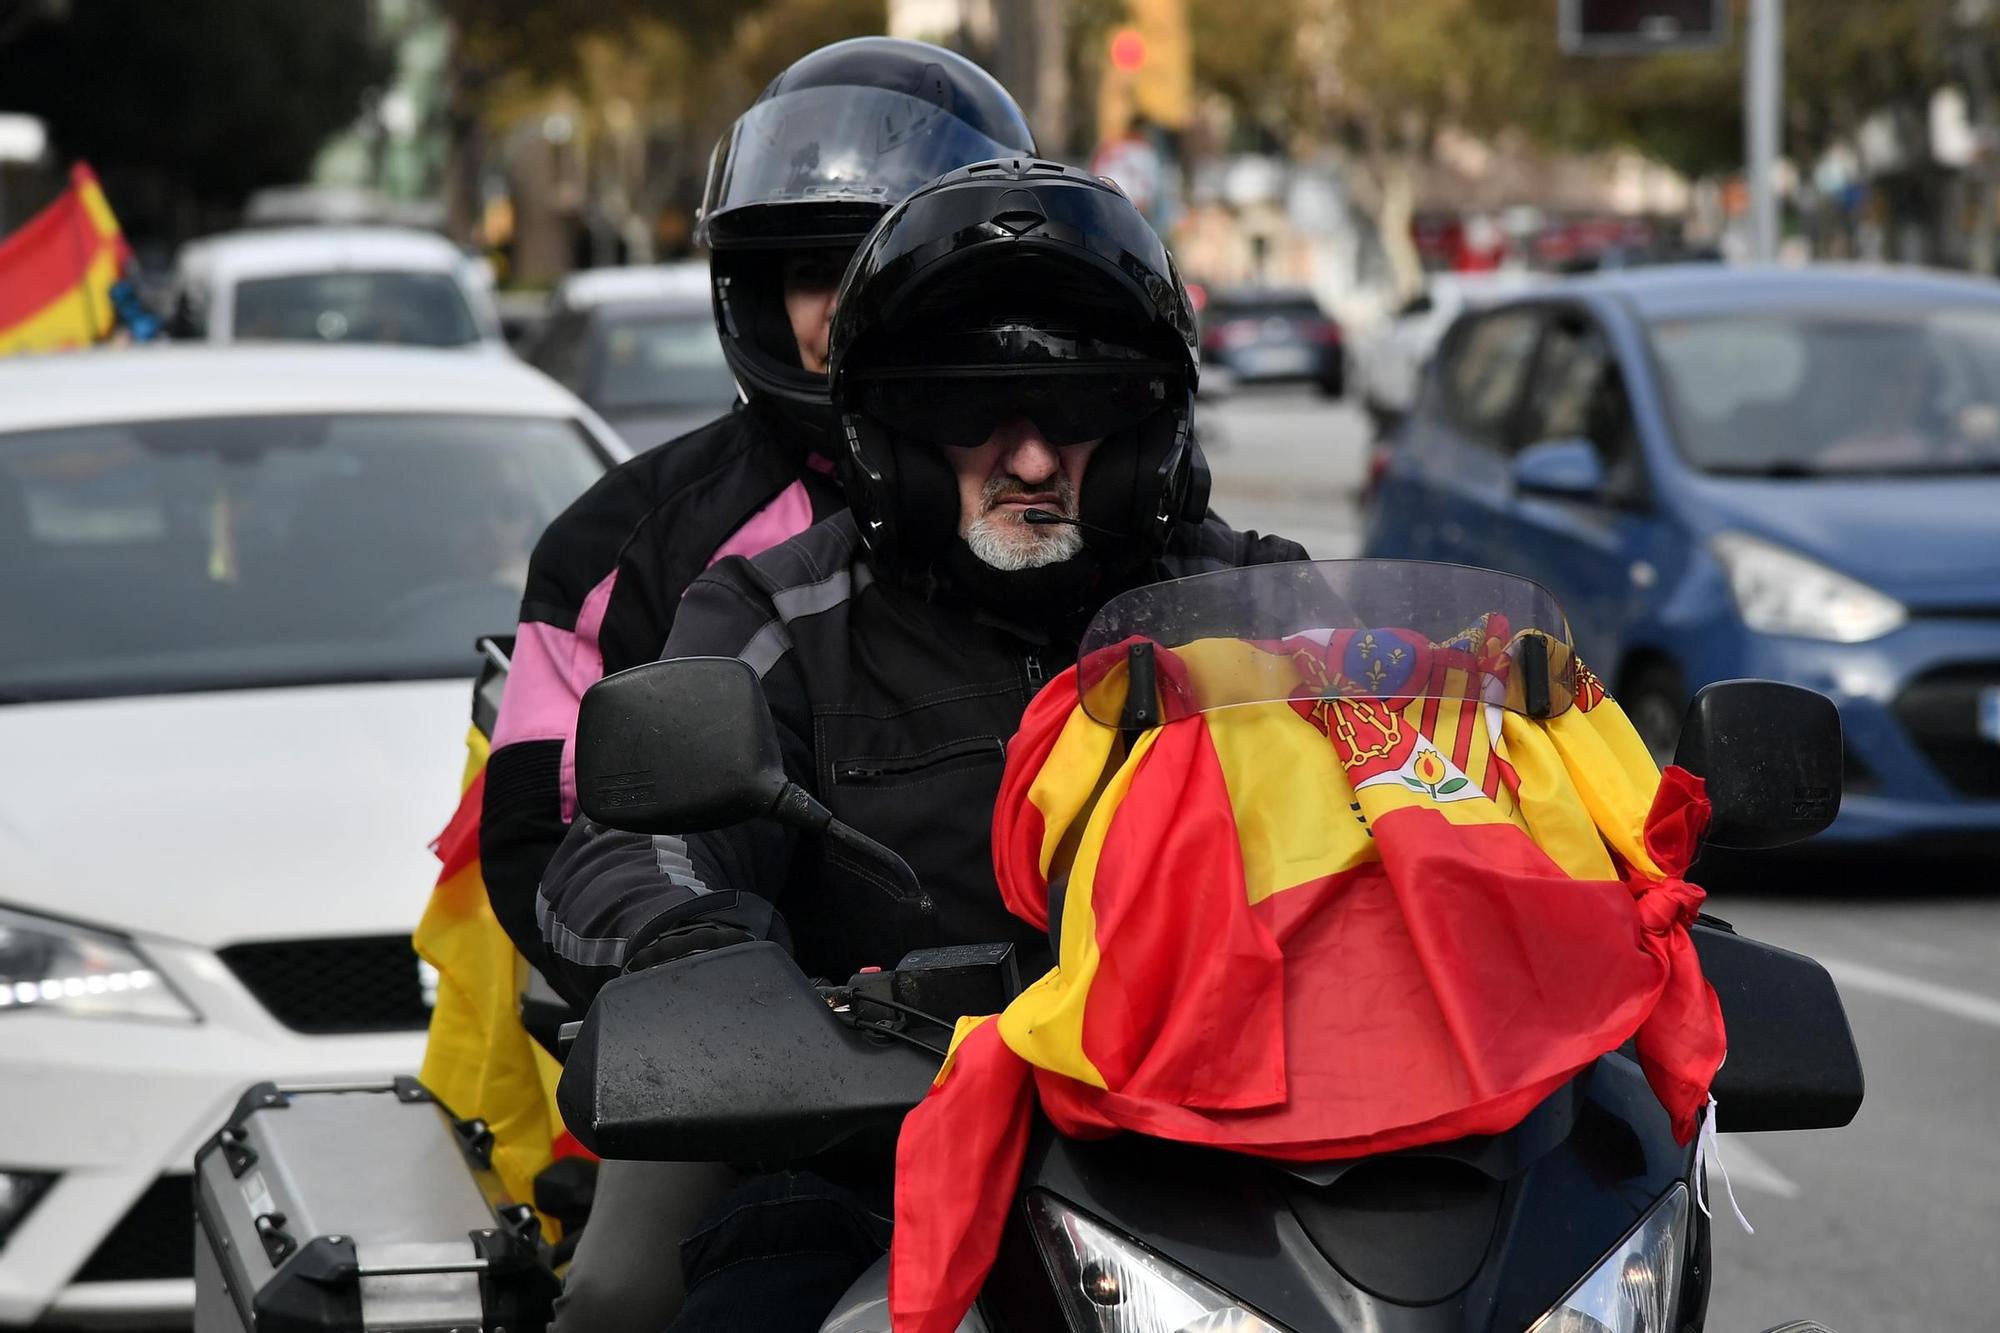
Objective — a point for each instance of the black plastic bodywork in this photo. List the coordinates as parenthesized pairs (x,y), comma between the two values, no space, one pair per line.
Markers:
(734,1056)
(1792,1062)
(730,1056)
(1420,1242)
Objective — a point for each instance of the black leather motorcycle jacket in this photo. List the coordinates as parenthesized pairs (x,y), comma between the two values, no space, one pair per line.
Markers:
(894,703)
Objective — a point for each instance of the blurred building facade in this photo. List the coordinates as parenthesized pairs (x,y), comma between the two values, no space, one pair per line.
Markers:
(396,148)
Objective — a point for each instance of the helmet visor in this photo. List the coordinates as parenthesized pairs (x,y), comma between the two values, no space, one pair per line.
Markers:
(837,147)
(1066,406)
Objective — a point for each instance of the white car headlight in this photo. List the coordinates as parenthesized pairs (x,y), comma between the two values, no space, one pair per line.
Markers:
(1781,592)
(1109,1284)
(53,967)
(1637,1287)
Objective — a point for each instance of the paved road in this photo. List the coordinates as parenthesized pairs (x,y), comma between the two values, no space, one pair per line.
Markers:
(1290,462)
(1891,1225)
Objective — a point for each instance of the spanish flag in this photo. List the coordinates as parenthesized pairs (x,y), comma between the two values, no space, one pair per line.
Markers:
(57,271)
(1338,924)
(479,1060)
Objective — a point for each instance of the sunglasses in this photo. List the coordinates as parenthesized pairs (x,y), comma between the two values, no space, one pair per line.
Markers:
(963,412)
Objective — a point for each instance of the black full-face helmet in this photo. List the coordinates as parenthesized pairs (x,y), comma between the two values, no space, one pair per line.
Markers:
(829,147)
(1016,288)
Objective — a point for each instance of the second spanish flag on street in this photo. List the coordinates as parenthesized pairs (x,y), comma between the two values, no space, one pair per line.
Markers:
(57,271)
(1312,929)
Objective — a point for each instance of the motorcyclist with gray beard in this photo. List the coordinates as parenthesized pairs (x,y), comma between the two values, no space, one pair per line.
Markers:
(1013,364)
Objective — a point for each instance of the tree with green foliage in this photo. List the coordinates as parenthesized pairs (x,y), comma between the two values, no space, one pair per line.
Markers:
(1846,62)
(1381,78)
(648,89)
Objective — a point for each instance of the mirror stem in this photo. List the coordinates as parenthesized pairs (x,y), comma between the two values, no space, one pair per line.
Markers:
(797,809)
(860,843)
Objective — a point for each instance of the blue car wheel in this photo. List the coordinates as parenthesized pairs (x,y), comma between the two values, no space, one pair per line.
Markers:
(1654,699)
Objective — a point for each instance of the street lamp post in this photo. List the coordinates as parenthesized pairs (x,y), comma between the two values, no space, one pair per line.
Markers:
(1763,95)
(1969,38)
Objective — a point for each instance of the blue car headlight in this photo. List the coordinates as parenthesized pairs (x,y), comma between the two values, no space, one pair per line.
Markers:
(1782,592)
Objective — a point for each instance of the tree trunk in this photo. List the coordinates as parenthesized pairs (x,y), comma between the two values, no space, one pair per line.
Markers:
(1050,113)
(1386,189)
(543,234)
(1399,211)
(465,143)
(1032,60)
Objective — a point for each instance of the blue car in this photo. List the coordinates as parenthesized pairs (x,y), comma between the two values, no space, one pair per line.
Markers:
(1729,472)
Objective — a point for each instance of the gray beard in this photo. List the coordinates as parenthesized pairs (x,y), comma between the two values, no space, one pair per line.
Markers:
(998,539)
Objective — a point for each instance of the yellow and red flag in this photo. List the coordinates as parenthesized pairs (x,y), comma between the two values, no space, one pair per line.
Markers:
(1315,928)
(479,1060)
(57,271)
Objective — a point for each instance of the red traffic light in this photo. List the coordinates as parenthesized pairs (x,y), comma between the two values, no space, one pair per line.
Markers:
(1128,49)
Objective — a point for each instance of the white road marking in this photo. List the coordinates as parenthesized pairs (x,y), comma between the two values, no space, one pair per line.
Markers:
(1944,999)
(1915,951)
(1749,1170)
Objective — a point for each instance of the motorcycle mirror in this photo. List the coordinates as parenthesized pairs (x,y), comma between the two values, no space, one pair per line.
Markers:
(680,746)
(688,745)
(1771,756)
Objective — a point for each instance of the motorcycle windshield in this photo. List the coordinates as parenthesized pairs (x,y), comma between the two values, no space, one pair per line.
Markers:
(1388,630)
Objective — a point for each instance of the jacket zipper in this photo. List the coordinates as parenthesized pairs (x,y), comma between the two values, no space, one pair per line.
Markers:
(1036,677)
(856,770)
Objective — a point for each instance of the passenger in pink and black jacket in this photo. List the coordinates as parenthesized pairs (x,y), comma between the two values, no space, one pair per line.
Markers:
(601,592)
(838,138)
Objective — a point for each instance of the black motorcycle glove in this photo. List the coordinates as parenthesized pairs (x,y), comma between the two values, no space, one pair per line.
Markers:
(698,937)
(713,921)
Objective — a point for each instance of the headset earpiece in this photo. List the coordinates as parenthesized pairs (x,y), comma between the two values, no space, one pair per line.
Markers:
(903,492)
(1137,482)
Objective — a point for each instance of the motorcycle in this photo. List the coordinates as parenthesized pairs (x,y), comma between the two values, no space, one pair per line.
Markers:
(1585,1217)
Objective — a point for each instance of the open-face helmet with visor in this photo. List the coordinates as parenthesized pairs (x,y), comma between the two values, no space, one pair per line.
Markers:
(1016,289)
(836,140)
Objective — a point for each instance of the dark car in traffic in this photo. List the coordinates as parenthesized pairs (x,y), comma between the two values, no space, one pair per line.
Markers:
(1723,472)
(1271,334)
(638,344)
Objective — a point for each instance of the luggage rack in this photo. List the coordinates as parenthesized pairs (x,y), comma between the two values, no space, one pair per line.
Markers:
(360,1205)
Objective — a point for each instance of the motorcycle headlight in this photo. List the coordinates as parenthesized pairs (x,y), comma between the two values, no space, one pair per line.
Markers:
(1637,1287)
(1109,1284)
(53,967)
(1781,592)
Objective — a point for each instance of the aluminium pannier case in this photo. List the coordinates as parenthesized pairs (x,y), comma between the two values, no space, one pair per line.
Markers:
(360,1207)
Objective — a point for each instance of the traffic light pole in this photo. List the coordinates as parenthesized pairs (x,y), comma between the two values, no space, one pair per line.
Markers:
(1763,95)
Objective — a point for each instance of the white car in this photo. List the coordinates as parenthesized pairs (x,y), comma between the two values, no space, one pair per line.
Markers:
(1389,361)
(241,592)
(334,285)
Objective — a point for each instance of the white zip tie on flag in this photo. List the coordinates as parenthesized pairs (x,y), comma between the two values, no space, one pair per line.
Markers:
(1709,1145)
